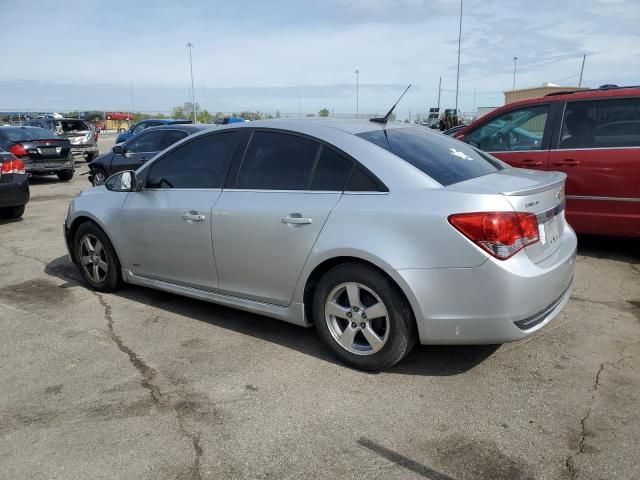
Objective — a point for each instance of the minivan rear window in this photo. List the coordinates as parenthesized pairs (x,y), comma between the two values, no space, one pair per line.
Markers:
(444,159)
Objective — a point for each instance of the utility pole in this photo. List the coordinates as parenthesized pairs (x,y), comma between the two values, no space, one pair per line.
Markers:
(299,114)
(439,92)
(515,65)
(459,43)
(357,72)
(193,95)
(584,57)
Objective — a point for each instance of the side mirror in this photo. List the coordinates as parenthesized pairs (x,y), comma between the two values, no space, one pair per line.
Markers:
(122,182)
(119,149)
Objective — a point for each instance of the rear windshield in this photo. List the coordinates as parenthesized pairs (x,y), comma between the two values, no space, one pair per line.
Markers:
(22,134)
(70,126)
(444,159)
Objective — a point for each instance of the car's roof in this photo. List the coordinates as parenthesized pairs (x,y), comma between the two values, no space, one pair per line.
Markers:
(353,126)
(187,127)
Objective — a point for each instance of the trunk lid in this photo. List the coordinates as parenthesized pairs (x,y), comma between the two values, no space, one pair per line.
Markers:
(541,193)
(55,149)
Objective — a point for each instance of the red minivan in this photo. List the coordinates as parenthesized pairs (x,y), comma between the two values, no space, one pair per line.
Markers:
(591,135)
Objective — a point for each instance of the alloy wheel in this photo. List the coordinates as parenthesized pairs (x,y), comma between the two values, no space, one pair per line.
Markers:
(93,258)
(357,318)
(99,178)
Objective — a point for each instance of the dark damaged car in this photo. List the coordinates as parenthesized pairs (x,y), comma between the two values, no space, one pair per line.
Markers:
(82,136)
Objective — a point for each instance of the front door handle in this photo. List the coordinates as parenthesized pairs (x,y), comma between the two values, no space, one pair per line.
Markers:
(192,217)
(530,162)
(567,161)
(296,219)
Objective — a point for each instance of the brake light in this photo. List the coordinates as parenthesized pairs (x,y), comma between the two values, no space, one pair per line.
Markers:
(12,166)
(18,150)
(502,234)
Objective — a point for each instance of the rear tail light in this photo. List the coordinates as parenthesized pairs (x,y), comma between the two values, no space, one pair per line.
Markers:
(12,166)
(502,234)
(18,150)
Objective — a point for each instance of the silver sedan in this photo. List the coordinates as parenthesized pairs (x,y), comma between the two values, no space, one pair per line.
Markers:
(379,235)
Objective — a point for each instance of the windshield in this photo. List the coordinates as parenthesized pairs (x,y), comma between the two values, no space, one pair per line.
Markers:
(444,159)
(26,134)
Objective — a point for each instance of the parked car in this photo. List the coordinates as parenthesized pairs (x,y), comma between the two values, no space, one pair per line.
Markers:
(41,151)
(138,150)
(82,135)
(592,135)
(152,122)
(14,186)
(380,235)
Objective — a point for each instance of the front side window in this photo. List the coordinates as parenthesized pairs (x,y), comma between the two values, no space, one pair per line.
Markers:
(601,124)
(145,142)
(277,161)
(201,163)
(169,137)
(444,159)
(517,130)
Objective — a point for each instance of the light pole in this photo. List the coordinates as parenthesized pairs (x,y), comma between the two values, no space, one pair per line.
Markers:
(459,42)
(515,65)
(357,72)
(193,98)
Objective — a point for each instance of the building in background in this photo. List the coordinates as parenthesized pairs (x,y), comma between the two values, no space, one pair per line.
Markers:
(511,96)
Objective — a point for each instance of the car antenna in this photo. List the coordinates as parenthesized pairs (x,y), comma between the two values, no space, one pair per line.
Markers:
(386,117)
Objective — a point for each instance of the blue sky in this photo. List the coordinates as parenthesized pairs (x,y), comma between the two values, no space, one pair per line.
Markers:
(262,55)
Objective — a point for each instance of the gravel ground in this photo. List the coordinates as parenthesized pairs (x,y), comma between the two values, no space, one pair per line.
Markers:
(143,384)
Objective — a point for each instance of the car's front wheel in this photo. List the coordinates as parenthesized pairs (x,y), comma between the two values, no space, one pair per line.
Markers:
(363,317)
(96,258)
(65,175)
(12,212)
(99,177)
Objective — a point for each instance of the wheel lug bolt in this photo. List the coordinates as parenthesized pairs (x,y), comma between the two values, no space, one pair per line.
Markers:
(355,309)
(364,315)
(349,314)
(353,325)
(362,325)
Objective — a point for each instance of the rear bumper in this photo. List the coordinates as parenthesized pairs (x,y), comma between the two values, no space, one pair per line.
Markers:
(496,302)
(42,168)
(81,149)
(15,192)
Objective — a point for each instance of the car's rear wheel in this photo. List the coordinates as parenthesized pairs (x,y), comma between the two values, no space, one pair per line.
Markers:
(363,317)
(99,177)
(12,212)
(65,175)
(96,258)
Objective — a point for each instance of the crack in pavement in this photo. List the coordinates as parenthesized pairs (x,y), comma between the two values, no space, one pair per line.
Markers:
(148,376)
(15,251)
(570,460)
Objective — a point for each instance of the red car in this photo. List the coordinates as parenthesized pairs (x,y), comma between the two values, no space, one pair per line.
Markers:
(591,135)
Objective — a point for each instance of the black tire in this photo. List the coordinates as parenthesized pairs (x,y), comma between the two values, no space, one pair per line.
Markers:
(65,175)
(12,212)
(402,331)
(89,157)
(97,172)
(113,278)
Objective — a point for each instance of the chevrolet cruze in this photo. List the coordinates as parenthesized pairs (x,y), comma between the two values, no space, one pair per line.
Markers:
(380,235)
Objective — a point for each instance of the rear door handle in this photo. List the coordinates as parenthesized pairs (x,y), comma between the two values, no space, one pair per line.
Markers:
(192,217)
(296,219)
(567,161)
(530,162)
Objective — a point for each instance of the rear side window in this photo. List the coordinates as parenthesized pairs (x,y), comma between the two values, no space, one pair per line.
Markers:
(601,124)
(331,171)
(444,159)
(277,161)
(201,163)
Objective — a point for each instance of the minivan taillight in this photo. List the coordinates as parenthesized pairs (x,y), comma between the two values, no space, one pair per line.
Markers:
(18,150)
(502,234)
(12,166)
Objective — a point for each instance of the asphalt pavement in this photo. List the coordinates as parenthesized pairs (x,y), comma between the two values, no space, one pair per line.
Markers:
(142,384)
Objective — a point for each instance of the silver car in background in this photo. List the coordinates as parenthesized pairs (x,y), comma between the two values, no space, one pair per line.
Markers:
(379,235)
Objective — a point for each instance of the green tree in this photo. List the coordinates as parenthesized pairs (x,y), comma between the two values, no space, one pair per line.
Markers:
(277,113)
(323,113)
(205,117)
